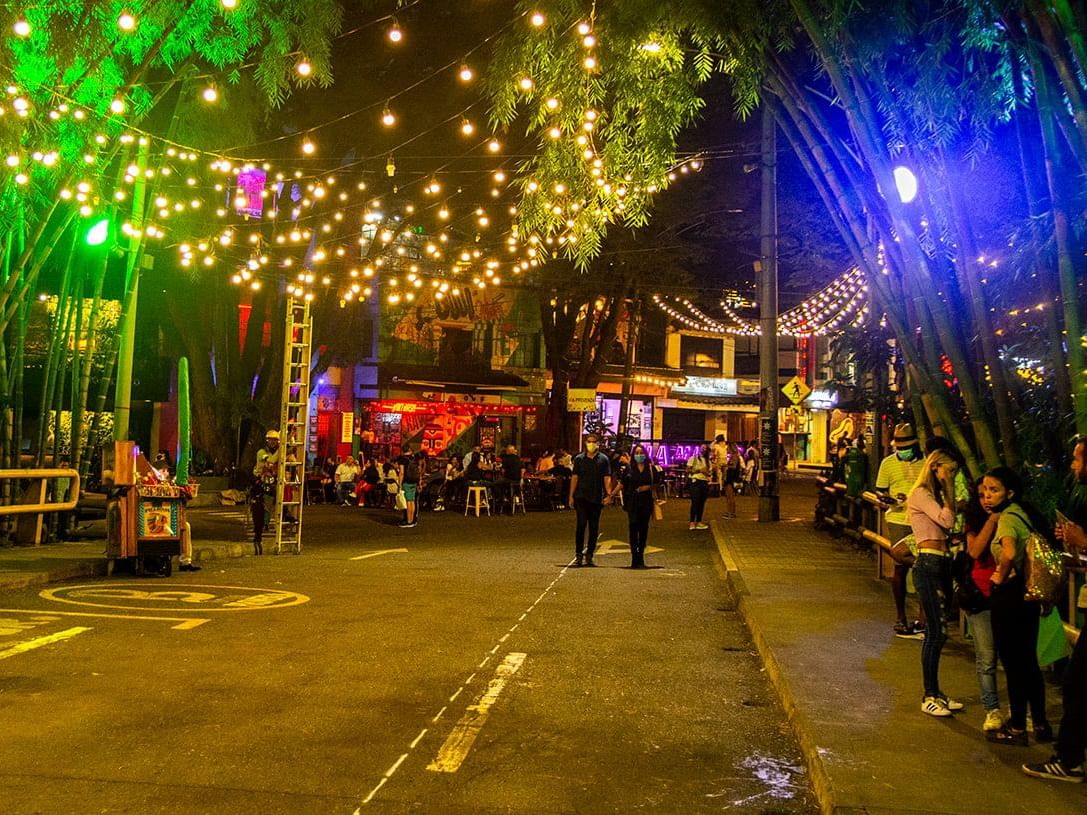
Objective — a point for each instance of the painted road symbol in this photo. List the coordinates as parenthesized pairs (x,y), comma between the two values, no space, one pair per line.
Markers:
(199,599)
(379,552)
(618,547)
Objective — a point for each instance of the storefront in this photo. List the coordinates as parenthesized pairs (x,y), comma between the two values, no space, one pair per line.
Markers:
(445,420)
(705,407)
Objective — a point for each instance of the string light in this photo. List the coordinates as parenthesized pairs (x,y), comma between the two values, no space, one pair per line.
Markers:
(395,34)
(126,22)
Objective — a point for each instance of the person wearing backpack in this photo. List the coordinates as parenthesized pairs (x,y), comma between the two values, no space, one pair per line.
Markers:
(1015,621)
(410,474)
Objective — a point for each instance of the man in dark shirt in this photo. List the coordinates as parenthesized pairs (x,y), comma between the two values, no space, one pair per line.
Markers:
(590,483)
(1066,764)
(509,475)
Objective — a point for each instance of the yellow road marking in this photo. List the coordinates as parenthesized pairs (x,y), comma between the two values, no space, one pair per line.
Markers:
(184,623)
(455,749)
(263,599)
(621,547)
(379,552)
(30,645)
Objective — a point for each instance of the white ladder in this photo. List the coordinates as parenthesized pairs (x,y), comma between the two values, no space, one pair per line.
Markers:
(294,426)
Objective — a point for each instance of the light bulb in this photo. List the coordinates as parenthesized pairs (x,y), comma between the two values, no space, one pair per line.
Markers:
(526,83)
(303,68)
(211,94)
(126,22)
(538,19)
(21,28)
(467,128)
(388,118)
(395,34)
(117,106)
(229,5)
(466,74)
(308,147)
(494,145)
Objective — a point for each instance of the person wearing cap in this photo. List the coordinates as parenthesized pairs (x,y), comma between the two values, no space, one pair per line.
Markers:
(263,492)
(897,474)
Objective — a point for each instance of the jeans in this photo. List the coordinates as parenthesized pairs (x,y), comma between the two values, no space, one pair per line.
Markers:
(700,491)
(981,629)
(588,515)
(638,519)
(1015,631)
(1072,738)
(929,575)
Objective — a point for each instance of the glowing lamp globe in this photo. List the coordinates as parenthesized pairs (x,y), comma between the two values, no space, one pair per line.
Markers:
(98,233)
(906,182)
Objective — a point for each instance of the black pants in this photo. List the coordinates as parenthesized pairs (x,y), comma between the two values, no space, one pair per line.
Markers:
(638,516)
(1015,632)
(1072,738)
(700,491)
(588,515)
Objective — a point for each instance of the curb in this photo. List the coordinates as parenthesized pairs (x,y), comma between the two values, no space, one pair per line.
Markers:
(99,567)
(817,770)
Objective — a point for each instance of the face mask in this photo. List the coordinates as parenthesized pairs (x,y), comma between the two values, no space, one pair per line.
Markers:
(906,455)
(639,458)
(591,448)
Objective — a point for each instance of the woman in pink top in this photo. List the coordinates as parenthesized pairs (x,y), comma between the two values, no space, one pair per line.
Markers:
(931,511)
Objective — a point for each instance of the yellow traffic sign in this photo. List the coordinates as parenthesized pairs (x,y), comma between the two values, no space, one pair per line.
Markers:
(796,390)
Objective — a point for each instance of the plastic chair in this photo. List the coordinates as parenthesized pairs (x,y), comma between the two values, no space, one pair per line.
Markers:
(477,497)
(517,498)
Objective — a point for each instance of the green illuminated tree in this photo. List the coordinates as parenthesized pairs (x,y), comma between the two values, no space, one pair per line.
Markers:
(856,90)
(82,90)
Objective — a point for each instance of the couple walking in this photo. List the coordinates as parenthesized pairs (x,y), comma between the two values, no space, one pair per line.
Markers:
(592,485)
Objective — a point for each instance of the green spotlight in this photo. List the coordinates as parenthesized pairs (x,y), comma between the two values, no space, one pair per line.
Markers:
(98,233)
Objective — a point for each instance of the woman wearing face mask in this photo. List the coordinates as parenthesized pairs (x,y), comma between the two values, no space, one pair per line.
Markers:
(931,511)
(638,483)
(1015,621)
(699,470)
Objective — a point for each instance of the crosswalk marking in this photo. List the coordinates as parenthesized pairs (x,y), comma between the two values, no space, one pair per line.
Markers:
(30,645)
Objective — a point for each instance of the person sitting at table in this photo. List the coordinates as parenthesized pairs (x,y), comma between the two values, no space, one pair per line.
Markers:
(564,464)
(455,485)
(475,451)
(346,475)
(366,489)
(545,463)
(473,469)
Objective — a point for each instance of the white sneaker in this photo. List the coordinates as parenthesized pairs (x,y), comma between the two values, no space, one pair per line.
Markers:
(994,720)
(934,706)
(701,526)
(951,704)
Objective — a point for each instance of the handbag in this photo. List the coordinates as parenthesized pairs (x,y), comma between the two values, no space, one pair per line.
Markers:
(401,501)
(902,551)
(1043,568)
(969,596)
(658,509)
(393,488)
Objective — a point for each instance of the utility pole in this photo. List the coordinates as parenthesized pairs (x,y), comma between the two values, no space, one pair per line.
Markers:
(634,321)
(769,509)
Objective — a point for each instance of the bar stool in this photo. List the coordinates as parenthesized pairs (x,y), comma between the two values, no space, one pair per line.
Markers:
(517,498)
(477,497)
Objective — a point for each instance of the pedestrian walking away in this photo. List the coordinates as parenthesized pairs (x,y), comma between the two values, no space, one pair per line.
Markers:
(699,471)
(590,484)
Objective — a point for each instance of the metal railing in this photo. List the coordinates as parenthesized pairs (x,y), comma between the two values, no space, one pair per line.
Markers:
(42,507)
(860,518)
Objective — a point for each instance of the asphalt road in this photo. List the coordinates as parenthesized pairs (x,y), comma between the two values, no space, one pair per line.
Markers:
(458,667)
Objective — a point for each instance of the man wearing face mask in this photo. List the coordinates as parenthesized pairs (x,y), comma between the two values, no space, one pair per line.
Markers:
(897,474)
(590,483)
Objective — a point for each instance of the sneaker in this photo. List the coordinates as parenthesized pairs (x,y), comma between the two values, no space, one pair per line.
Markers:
(1043,734)
(908,631)
(188,567)
(1006,735)
(1053,770)
(994,720)
(950,704)
(589,564)
(701,526)
(934,706)
(691,527)
(404,525)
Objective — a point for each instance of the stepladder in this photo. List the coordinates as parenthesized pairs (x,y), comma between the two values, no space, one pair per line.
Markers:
(294,425)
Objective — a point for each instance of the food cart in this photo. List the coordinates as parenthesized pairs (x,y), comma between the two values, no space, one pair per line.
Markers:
(145,514)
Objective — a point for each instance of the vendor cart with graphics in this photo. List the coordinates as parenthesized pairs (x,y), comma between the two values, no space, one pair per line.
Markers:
(145,515)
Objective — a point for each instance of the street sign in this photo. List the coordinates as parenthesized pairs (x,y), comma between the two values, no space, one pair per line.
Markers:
(796,390)
(581,399)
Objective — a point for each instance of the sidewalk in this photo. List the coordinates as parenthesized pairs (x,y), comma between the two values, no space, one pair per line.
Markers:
(822,624)
(23,566)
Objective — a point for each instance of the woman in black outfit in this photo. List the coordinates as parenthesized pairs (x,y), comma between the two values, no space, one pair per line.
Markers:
(638,484)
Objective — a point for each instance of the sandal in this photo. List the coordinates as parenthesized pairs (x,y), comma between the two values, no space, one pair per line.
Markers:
(1007,735)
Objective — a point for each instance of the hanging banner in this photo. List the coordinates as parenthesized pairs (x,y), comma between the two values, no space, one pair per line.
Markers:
(347,427)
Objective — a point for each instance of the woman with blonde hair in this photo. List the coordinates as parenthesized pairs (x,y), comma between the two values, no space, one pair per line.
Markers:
(931,508)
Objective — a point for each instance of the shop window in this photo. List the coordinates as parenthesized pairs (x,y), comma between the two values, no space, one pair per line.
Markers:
(701,354)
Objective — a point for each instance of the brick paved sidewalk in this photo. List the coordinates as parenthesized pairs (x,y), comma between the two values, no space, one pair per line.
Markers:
(822,623)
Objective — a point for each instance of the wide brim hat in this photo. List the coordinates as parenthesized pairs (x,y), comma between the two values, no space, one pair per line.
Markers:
(904,436)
